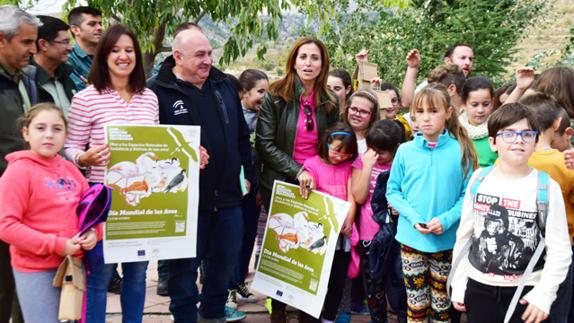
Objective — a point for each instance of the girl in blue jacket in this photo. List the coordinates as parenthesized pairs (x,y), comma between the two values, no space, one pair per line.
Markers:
(426,186)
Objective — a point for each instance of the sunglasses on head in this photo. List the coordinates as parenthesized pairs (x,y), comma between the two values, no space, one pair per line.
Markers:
(308,117)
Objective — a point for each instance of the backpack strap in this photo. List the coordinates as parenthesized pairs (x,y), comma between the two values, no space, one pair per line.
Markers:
(542,210)
(542,200)
(464,251)
(478,180)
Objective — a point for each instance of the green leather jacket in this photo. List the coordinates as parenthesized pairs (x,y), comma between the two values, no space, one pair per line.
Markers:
(275,135)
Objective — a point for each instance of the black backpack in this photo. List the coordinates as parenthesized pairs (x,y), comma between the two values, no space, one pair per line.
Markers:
(381,245)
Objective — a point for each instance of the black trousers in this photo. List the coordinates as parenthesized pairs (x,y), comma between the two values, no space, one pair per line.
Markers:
(336,284)
(486,303)
(8,300)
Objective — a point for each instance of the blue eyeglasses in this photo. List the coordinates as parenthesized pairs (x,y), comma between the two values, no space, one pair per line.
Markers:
(510,136)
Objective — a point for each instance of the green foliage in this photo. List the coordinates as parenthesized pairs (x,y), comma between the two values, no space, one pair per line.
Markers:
(491,27)
(249,20)
(567,53)
(279,71)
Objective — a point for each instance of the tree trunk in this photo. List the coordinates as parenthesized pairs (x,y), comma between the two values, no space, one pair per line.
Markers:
(149,56)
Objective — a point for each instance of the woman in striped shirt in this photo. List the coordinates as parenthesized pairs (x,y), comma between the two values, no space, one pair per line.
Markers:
(117,95)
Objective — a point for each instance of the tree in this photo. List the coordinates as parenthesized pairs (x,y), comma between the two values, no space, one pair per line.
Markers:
(249,20)
(491,27)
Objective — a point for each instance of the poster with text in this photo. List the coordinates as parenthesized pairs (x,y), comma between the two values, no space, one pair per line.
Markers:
(298,247)
(154,174)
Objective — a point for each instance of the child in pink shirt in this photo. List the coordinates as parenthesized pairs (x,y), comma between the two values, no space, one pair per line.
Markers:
(331,171)
(39,194)
(383,140)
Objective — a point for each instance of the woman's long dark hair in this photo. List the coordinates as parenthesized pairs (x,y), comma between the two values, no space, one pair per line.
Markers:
(100,74)
(285,87)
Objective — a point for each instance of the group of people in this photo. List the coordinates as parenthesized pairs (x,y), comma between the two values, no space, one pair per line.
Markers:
(456,177)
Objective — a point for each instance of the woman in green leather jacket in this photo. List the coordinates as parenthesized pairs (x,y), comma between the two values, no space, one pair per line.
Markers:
(297,109)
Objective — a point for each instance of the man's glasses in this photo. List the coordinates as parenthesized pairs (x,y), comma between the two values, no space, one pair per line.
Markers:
(308,117)
(510,136)
(361,113)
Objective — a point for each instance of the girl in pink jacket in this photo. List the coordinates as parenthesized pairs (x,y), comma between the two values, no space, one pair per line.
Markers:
(39,194)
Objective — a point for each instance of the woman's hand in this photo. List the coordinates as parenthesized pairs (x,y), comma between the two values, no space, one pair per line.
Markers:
(435,226)
(98,155)
(306,183)
(532,314)
(71,248)
(204,157)
(88,240)
(459,306)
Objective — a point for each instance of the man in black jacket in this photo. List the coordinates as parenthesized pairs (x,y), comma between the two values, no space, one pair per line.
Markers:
(18,32)
(53,74)
(192,92)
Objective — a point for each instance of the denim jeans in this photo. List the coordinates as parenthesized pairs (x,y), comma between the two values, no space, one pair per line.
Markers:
(219,238)
(132,296)
(250,212)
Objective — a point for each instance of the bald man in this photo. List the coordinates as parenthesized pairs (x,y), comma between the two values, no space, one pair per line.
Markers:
(192,92)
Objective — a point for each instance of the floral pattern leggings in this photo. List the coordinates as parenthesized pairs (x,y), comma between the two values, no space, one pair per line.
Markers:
(425,280)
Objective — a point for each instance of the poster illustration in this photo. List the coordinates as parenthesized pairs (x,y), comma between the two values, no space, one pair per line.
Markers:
(154,174)
(298,247)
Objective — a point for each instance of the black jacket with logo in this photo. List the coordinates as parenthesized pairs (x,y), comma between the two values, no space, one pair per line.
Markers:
(176,107)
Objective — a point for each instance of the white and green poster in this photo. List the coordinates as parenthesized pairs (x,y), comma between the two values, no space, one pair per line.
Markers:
(154,174)
(298,247)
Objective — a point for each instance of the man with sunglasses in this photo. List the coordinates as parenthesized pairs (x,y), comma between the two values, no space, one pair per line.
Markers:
(53,74)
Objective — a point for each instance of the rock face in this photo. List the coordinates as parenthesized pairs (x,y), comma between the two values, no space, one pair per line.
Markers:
(544,41)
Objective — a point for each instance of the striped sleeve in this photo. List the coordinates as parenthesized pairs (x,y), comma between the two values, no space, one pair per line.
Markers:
(79,125)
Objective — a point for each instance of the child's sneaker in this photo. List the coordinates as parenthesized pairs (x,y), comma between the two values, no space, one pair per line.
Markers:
(231,299)
(245,294)
(232,315)
(360,308)
(343,317)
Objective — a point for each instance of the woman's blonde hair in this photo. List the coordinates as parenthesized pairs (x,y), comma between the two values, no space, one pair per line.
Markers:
(436,95)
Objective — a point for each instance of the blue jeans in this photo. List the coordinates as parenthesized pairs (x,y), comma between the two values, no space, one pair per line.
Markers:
(219,238)
(132,296)
(250,212)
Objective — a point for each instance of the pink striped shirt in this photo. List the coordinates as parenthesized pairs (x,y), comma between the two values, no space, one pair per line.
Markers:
(91,110)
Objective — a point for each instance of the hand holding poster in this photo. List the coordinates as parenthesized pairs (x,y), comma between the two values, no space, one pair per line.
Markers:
(298,247)
(154,174)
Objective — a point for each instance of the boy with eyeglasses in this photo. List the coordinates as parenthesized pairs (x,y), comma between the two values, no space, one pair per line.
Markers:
(508,194)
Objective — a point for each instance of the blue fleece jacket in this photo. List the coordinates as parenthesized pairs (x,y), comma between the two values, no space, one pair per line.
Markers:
(427,183)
